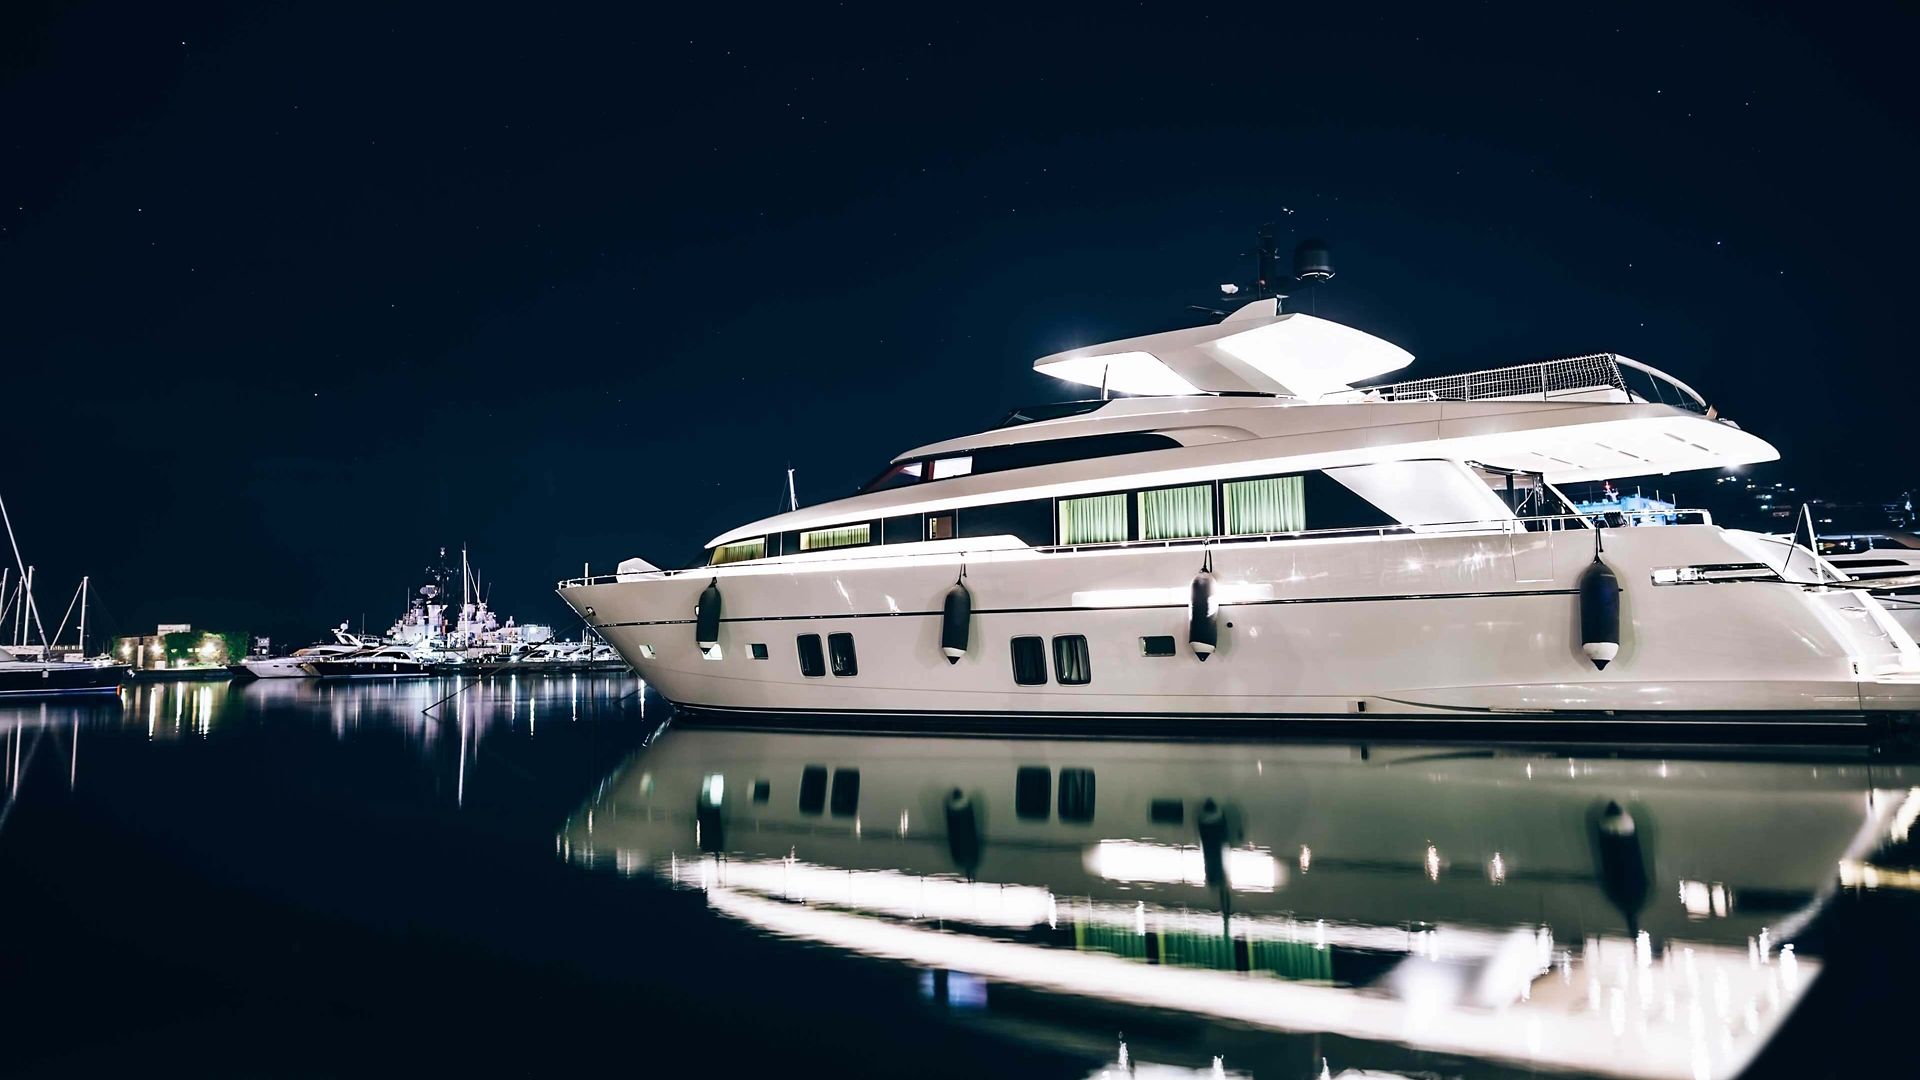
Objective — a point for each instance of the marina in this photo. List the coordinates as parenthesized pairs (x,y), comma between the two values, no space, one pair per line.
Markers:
(1139,542)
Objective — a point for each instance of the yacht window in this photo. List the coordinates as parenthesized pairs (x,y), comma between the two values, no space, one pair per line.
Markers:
(740,551)
(1071,665)
(1157,645)
(1167,812)
(837,537)
(845,801)
(1176,513)
(1076,795)
(941,526)
(762,790)
(952,466)
(1032,792)
(1052,410)
(646,652)
(1081,448)
(711,652)
(1031,521)
(1029,661)
(813,661)
(895,476)
(758,649)
(1274,504)
(813,789)
(1094,519)
(840,648)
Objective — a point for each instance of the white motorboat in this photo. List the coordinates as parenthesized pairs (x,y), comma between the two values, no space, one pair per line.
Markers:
(384,661)
(294,666)
(1255,534)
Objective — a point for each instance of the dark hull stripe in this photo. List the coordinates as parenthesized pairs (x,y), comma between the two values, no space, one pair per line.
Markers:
(1123,607)
(1702,728)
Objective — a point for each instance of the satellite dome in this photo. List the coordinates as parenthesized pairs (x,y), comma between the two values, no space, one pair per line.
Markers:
(1311,260)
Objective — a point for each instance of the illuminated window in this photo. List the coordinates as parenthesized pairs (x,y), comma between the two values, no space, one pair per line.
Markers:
(837,537)
(646,652)
(840,652)
(1071,664)
(953,466)
(711,652)
(1176,513)
(740,551)
(941,526)
(1029,661)
(1093,519)
(813,660)
(1276,504)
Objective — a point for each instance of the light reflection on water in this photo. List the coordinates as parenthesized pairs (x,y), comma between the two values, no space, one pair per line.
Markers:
(429,712)
(1629,916)
(1180,908)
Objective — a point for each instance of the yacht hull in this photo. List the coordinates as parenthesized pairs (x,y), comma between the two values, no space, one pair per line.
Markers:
(59,680)
(278,667)
(365,669)
(1436,624)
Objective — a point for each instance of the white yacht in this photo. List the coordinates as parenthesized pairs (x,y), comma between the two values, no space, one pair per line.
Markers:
(1250,534)
(384,661)
(294,666)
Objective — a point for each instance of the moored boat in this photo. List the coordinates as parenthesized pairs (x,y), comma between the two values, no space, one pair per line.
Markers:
(386,661)
(1257,533)
(22,677)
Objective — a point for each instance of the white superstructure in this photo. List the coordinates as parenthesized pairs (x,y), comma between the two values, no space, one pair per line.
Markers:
(1397,549)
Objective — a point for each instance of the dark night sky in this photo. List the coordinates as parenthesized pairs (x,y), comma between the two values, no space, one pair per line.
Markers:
(290,295)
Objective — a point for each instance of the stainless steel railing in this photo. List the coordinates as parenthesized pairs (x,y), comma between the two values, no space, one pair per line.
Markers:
(1550,379)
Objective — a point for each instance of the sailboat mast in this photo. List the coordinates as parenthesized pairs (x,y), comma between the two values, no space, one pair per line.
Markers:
(28,608)
(83,615)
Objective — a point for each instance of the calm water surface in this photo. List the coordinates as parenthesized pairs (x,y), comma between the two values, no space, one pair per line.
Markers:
(544,875)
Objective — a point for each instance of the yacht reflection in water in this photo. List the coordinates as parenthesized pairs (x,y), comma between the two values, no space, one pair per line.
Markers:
(1605,915)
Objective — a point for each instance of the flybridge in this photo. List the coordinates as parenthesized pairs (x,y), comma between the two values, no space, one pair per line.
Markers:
(1255,350)
(1259,351)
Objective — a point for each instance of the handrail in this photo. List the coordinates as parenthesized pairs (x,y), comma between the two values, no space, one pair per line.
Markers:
(1451,528)
(1544,379)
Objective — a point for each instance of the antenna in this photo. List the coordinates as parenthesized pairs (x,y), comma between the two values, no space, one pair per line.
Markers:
(1263,266)
(1312,265)
(793,500)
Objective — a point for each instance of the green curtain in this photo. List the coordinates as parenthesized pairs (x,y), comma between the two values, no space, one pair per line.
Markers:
(1276,504)
(741,551)
(1176,513)
(1093,519)
(843,536)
